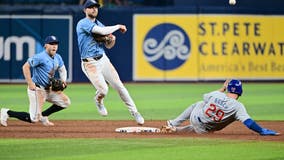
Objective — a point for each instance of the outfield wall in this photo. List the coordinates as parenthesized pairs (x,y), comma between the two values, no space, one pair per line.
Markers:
(199,40)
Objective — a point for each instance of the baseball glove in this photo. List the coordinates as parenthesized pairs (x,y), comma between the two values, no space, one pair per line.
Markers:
(168,129)
(57,84)
(102,38)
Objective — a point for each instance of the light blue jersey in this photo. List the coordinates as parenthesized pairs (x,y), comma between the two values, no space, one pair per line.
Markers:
(88,47)
(43,67)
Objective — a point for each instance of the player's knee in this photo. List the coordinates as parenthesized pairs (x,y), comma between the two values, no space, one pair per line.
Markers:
(102,93)
(66,103)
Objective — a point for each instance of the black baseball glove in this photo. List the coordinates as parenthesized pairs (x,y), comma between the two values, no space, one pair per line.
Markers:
(57,84)
(102,38)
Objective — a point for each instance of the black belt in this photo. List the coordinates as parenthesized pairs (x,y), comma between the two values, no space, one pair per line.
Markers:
(39,86)
(92,58)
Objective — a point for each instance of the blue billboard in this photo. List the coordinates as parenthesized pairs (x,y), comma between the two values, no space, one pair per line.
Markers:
(21,36)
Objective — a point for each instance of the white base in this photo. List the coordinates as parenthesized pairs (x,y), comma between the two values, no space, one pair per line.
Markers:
(137,130)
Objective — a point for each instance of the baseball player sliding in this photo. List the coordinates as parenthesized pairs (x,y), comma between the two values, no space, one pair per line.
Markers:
(215,112)
(40,89)
(92,37)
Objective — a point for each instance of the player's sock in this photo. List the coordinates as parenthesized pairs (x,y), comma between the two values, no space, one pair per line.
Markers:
(52,109)
(24,116)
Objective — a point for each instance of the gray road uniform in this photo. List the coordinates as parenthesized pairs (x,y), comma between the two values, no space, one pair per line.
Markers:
(215,112)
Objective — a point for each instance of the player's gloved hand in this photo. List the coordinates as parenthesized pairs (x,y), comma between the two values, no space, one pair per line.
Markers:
(103,38)
(268,132)
(57,84)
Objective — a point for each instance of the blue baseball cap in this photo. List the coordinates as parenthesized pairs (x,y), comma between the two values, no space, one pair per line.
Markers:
(90,3)
(51,39)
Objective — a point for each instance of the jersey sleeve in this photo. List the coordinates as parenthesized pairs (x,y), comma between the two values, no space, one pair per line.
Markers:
(35,60)
(241,114)
(60,61)
(86,26)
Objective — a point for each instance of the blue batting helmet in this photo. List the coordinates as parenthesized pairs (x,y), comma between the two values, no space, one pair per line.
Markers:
(235,86)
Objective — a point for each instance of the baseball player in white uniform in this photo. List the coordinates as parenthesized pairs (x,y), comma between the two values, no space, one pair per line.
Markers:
(95,63)
(44,65)
(215,112)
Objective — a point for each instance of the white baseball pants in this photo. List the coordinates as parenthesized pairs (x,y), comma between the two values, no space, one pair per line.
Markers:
(100,71)
(39,96)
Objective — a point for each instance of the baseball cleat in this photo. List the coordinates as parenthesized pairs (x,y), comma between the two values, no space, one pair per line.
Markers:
(44,120)
(101,109)
(138,117)
(4,116)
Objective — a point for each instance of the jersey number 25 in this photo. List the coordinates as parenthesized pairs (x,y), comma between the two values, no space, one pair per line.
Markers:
(215,113)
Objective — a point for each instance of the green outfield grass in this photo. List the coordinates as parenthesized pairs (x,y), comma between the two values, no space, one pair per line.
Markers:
(264,101)
(139,149)
(155,102)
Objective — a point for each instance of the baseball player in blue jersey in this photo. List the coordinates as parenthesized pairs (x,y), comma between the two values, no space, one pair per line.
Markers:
(95,63)
(43,65)
(215,112)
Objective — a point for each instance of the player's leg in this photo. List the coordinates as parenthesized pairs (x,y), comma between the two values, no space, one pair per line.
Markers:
(185,115)
(36,99)
(52,109)
(113,79)
(93,70)
(59,102)
(7,113)
(187,128)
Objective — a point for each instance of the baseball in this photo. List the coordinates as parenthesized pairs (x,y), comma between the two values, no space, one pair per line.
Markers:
(232,2)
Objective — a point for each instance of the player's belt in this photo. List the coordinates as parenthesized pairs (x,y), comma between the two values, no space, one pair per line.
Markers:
(92,58)
(45,88)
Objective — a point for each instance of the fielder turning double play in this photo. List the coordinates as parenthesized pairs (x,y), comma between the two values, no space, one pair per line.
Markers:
(95,63)
(215,112)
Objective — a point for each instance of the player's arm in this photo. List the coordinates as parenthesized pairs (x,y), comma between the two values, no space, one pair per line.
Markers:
(225,85)
(251,124)
(62,73)
(243,116)
(108,29)
(27,75)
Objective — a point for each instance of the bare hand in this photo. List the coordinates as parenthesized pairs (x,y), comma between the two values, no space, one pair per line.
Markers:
(226,83)
(64,84)
(123,28)
(32,86)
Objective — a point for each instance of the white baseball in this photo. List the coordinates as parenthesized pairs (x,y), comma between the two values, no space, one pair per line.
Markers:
(232,2)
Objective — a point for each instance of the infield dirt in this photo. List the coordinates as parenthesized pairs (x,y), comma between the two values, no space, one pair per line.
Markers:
(106,129)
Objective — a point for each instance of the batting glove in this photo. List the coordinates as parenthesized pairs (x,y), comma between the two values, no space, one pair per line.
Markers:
(268,132)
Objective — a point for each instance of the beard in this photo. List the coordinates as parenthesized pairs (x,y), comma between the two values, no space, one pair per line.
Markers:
(92,16)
